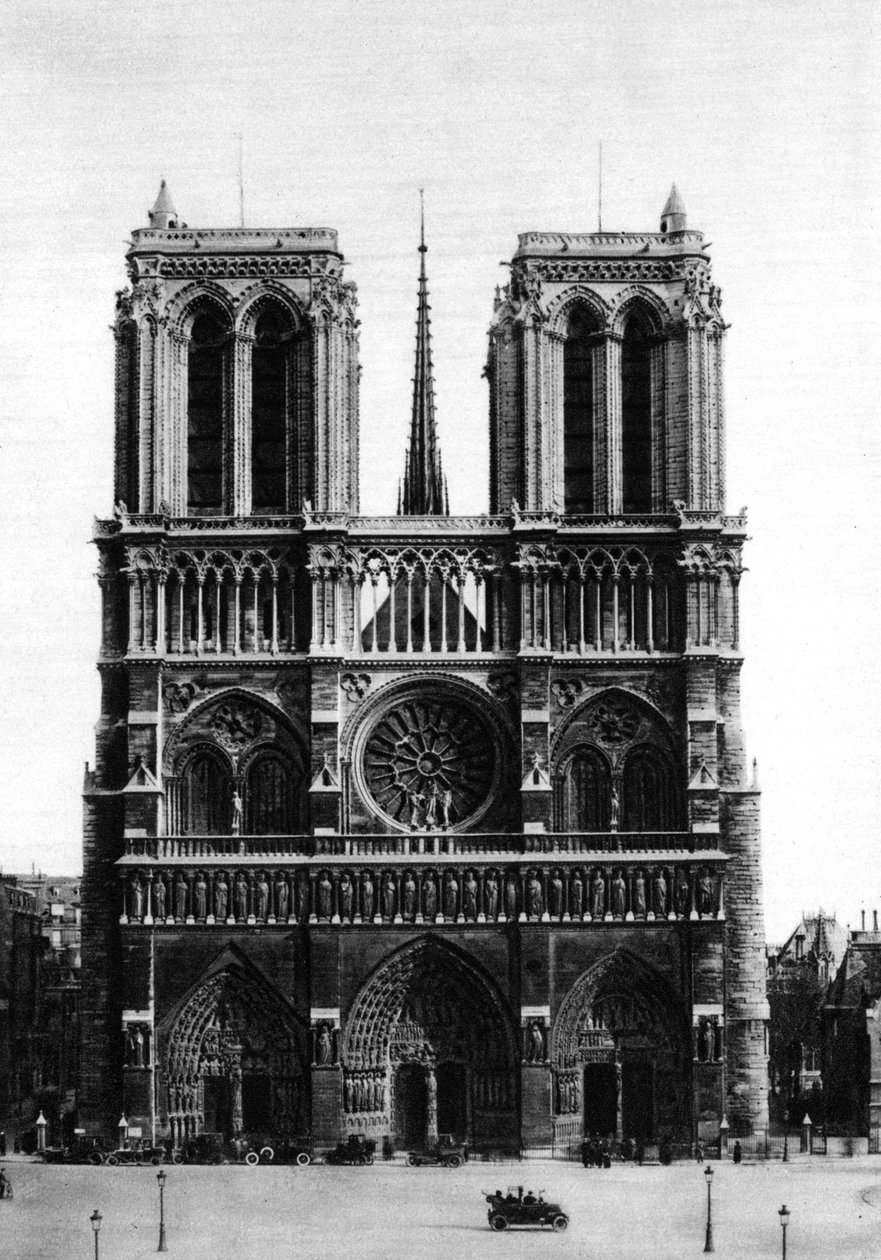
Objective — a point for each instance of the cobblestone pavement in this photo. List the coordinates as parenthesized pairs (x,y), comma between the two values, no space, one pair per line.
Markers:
(391,1211)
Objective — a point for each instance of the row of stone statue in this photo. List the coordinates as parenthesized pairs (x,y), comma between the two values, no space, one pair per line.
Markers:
(568,1093)
(364,1091)
(455,895)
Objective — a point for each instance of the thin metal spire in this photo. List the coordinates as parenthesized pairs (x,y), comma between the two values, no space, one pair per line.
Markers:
(424,486)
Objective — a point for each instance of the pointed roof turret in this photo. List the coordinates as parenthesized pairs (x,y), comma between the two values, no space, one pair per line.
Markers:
(673,216)
(424,491)
(163,215)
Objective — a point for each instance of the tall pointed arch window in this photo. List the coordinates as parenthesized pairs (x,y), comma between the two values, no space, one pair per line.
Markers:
(578,413)
(584,792)
(636,415)
(269,409)
(206,391)
(207,795)
(649,793)
(270,797)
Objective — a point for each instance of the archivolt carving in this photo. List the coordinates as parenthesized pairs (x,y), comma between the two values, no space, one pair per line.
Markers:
(639,297)
(185,305)
(236,720)
(267,295)
(429,1003)
(615,720)
(561,308)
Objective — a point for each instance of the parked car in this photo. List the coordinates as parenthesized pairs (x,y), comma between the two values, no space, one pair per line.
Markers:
(356,1149)
(204,1148)
(82,1150)
(277,1151)
(142,1153)
(446,1151)
(517,1208)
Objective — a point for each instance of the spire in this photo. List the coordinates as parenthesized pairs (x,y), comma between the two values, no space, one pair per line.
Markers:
(425,489)
(163,215)
(673,215)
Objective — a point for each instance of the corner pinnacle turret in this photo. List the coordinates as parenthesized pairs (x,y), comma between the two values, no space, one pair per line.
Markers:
(163,215)
(673,217)
(423,491)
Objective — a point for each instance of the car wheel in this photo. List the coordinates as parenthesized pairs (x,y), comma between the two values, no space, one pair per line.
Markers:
(369,1159)
(155,1161)
(498,1223)
(304,1159)
(267,1154)
(177,1158)
(252,1159)
(95,1158)
(559,1223)
(455,1161)
(113,1161)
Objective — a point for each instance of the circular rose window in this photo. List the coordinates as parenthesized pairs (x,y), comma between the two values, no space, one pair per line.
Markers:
(429,764)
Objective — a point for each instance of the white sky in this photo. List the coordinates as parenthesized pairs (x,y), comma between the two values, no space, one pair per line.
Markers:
(765,113)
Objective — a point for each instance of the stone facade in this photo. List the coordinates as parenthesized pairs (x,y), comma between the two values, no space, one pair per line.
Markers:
(411,824)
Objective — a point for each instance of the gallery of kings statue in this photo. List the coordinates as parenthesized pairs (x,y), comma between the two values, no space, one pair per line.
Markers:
(421,823)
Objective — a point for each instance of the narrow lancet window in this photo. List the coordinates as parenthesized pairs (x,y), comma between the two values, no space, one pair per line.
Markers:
(205,407)
(578,417)
(636,417)
(268,415)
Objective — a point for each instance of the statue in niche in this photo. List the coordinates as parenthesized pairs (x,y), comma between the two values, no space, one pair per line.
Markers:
(323,1047)
(416,801)
(469,896)
(556,895)
(200,890)
(682,893)
(615,808)
(236,825)
(180,897)
(511,896)
(136,898)
(703,1040)
(717,1040)
(221,896)
(241,897)
(431,806)
(491,895)
(135,1046)
(619,895)
(302,898)
(705,892)
(346,896)
(367,895)
(409,896)
(262,896)
(451,896)
(576,894)
(429,896)
(325,896)
(660,890)
(639,907)
(598,895)
(535,1043)
(533,896)
(447,807)
(388,896)
(159,897)
(349,1093)
(281,897)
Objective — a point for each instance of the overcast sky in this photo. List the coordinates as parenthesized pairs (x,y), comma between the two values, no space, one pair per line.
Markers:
(767,116)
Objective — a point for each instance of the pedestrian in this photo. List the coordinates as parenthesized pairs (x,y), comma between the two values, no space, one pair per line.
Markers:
(699,1152)
(737,1155)
(5,1185)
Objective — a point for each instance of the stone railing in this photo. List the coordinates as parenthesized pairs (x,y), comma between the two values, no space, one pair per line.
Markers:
(425,891)
(420,844)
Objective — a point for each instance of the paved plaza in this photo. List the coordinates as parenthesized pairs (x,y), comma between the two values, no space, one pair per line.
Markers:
(391,1211)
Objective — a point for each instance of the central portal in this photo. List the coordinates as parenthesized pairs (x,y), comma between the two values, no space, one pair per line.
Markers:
(411,1105)
(600,1099)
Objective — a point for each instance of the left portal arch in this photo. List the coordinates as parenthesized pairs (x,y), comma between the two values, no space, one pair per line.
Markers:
(430,1048)
(235,1059)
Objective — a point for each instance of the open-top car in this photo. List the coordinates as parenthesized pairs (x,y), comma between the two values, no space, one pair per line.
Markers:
(517,1208)
(356,1149)
(141,1153)
(83,1150)
(446,1151)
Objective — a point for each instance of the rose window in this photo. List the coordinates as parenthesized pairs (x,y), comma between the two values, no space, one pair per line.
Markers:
(429,764)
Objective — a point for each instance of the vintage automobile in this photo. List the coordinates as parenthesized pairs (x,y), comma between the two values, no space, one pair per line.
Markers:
(356,1149)
(82,1151)
(203,1148)
(275,1151)
(446,1151)
(517,1208)
(140,1153)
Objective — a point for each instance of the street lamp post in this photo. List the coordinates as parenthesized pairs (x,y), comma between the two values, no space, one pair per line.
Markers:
(160,1177)
(708,1245)
(784,1221)
(96,1218)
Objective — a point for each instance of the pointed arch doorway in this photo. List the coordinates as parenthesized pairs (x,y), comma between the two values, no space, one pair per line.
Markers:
(434,1038)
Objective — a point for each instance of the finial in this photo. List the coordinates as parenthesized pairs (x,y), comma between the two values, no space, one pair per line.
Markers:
(163,215)
(673,216)
(423,248)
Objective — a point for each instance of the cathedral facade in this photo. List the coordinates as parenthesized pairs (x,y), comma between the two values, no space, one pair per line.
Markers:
(421,823)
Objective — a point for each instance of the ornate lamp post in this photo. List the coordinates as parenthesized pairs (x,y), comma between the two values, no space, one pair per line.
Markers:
(708,1173)
(96,1218)
(784,1221)
(160,1177)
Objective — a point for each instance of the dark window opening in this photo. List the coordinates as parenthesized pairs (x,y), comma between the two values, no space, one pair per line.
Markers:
(268,415)
(649,801)
(205,391)
(636,418)
(578,417)
(269,797)
(586,793)
(207,796)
